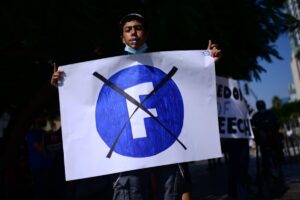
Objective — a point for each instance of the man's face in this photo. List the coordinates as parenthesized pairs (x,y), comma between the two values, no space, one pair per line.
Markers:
(134,34)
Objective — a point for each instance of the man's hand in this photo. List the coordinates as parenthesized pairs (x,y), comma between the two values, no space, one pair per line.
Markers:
(215,51)
(56,76)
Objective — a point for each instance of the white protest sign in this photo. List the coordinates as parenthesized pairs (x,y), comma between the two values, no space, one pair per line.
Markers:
(233,110)
(138,111)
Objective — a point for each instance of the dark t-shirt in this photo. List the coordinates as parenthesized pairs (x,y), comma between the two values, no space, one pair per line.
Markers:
(37,160)
(265,126)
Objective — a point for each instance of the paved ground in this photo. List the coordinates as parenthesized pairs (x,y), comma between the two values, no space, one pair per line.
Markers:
(212,184)
(207,184)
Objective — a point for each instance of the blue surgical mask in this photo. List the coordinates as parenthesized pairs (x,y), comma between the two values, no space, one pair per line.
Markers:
(136,51)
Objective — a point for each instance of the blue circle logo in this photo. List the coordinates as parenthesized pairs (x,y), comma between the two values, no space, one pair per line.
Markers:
(140,135)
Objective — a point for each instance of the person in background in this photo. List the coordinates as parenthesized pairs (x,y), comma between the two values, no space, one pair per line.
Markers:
(267,137)
(39,161)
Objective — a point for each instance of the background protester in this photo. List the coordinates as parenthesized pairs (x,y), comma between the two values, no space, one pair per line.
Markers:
(39,160)
(269,140)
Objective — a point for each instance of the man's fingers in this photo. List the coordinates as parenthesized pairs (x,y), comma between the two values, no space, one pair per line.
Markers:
(212,46)
(54,67)
(216,51)
(209,44)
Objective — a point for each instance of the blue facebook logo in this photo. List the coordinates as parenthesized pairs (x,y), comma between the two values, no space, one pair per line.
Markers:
(141,135)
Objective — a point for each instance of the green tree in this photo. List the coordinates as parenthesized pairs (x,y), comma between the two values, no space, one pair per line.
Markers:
(276,102)
(289,112)
(34,32)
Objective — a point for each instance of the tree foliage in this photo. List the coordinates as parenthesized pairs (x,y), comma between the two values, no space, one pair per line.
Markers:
(288,113)
(36,32)
(276,102)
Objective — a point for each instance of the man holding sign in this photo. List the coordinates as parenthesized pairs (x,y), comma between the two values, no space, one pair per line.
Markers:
(135,184)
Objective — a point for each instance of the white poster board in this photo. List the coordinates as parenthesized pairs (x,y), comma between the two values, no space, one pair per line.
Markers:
(177,123)
(233,110)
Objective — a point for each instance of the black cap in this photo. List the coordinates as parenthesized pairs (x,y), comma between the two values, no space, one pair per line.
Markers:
(130,17)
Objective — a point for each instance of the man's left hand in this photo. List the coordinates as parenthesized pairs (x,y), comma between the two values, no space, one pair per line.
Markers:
(215,51)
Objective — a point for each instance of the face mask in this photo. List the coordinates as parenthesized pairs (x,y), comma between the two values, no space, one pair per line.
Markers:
(136,51)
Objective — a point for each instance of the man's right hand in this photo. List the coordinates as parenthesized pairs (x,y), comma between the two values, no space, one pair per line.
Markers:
(56,76)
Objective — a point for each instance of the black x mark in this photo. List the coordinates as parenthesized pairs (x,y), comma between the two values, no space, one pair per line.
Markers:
(139,105)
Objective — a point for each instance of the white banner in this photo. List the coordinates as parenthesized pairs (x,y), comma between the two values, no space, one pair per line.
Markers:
(233,110)
(138,111)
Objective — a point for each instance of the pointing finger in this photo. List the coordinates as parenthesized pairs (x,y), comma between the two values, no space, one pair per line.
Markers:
(209,44)
(54,67)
